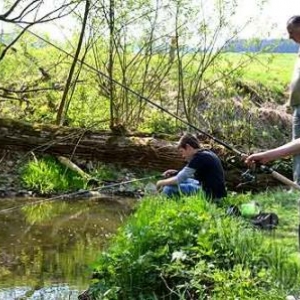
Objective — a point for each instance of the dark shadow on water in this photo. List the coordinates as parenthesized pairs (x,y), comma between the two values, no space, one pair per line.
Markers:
(47,250)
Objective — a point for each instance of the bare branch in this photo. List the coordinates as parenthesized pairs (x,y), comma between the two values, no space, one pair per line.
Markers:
(14,41)
(46,18)
(61,110)
(24,11)
(27,90)
(7,98)
(4,16)
(43,19)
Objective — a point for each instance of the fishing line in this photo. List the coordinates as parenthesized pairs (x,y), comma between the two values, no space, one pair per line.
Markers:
(70,195)
(264,168)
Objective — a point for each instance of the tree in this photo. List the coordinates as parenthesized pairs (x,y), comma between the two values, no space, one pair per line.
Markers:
(141,49)
(62,111)
(31,12)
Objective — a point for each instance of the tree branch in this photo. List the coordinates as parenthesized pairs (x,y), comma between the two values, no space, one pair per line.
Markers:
(61,110)
(4,16)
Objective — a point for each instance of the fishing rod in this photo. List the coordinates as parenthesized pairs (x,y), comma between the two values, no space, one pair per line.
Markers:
(82,192)
(264,168)
(130,181)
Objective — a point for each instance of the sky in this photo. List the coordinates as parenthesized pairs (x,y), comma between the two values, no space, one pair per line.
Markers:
(269,22)
(273,17)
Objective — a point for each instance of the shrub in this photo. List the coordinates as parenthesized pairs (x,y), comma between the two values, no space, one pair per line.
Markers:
(188,249)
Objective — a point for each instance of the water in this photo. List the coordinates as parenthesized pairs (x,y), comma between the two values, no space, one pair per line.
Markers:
(47,249)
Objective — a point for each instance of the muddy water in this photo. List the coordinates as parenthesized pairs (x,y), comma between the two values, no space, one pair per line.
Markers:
(47,249)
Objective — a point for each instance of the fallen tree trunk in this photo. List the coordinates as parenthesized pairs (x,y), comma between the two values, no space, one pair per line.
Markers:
(139,151)
(135,151)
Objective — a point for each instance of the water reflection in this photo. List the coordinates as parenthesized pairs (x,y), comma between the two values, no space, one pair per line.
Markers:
(46,249)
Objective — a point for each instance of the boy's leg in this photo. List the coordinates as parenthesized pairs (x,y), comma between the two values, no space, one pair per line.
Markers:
(188,187)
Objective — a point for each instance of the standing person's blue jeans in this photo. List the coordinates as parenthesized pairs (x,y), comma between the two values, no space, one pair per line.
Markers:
(187,187)
(296,134)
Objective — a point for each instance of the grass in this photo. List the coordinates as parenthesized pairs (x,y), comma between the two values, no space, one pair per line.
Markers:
(285,205)
(189,249)
(47,176)
(273,70)
(269,74)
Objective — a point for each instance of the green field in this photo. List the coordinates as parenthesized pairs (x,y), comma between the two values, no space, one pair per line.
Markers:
(271,70)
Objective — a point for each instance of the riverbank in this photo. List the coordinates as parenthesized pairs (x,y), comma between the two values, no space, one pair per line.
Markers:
(194,250)
(112,181)
(10,185)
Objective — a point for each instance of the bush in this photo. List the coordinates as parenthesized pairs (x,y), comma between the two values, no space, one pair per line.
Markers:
(188,249)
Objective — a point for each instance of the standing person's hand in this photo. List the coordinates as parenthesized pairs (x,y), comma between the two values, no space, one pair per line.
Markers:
(260,157)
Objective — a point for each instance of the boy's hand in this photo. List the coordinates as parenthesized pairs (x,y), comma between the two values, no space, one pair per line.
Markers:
(170,173)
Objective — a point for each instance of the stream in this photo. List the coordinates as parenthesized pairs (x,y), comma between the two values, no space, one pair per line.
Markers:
(47,249)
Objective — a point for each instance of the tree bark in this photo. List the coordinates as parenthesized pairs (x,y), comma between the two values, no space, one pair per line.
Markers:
(130,150)
(141,151)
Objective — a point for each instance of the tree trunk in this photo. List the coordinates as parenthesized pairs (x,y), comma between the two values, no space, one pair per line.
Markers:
(62,110)
(129,150)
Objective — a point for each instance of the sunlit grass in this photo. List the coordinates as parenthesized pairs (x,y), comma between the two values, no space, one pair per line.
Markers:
(190,247)
(46,176)
(271,70)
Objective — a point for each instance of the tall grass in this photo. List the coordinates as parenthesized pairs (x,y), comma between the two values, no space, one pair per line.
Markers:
(47,175)
(189,249)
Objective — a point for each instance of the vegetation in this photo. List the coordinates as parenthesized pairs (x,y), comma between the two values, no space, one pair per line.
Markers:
(48,176)
(189,249)
(266,74)
(132,58)
(110,77)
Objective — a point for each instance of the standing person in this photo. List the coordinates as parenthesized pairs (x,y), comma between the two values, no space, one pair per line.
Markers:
(293,28)
(204,165)
(287,149)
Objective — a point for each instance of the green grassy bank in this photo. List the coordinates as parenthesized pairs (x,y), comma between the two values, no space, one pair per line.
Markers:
(189,249)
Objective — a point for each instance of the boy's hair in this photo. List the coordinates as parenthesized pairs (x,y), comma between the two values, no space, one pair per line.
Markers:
(294,20)
(188,139)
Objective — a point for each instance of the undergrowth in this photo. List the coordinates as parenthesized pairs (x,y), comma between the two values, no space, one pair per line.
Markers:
(189,249)
(47,175)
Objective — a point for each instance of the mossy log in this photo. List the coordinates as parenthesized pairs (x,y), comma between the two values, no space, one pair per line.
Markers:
(127,149)
(130,150)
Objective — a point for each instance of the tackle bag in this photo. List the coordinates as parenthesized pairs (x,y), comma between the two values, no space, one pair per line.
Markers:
(262,220)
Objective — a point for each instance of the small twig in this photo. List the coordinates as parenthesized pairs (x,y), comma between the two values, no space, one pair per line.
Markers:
(167,286)
(34,157)
(2,158)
